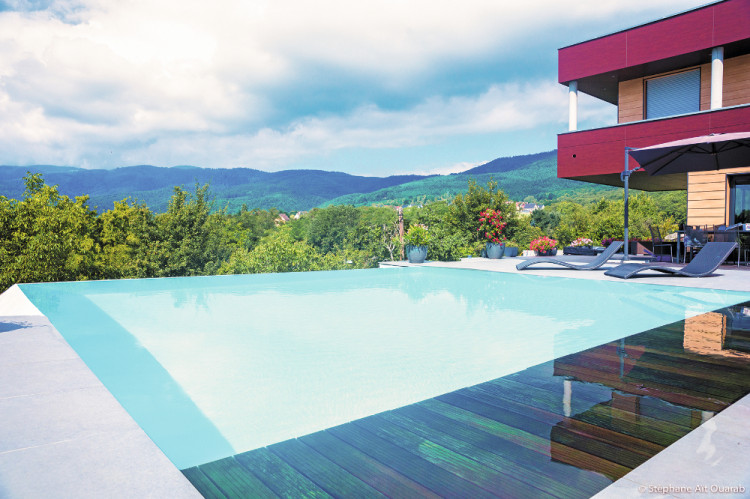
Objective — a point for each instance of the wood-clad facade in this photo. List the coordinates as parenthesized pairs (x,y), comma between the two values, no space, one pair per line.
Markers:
(736,89)
(621,67)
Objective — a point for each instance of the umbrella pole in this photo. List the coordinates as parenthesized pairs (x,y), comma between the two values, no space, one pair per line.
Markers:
(625,177)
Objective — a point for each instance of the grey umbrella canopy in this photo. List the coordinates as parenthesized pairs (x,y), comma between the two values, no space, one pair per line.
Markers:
(704,153)
(707,152)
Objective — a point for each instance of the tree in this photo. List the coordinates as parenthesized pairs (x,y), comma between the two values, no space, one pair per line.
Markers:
(463,215)
(184,234)
(128,238)
(330,227)
(46,236)
(277,252)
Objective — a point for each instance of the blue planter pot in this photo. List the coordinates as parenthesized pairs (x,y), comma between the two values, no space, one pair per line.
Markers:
(494,250)
(511,251)
(416,254)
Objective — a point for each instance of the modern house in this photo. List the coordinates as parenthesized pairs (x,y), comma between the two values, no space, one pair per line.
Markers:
(683,76)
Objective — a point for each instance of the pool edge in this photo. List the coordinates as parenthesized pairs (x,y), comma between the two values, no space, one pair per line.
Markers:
(64,433)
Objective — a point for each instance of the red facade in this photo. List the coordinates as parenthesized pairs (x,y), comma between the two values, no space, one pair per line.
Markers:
(601,151)
(695,31)
(677,42)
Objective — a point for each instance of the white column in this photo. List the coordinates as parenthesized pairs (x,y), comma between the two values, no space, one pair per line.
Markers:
(717,77)
(567,397)
(573,106)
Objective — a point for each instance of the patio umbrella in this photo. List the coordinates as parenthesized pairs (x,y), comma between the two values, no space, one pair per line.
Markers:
(704,153)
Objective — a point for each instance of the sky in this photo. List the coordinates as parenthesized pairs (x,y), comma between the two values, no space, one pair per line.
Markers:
(369,88)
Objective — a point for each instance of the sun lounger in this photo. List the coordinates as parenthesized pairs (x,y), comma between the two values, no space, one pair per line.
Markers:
(592,265)
(704,263)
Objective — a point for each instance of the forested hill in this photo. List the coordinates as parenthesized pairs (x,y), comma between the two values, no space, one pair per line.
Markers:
(532,175)
(288,190)
(293,190)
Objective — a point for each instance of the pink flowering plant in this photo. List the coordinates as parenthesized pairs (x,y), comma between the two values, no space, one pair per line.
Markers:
(582,241)
(492,226)
(543,244)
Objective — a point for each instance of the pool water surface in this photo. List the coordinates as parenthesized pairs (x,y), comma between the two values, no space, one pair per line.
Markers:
(214,366)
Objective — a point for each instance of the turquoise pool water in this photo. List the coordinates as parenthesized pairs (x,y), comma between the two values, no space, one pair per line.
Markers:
(214,366)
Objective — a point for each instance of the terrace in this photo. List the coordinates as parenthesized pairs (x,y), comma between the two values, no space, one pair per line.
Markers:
(661,405)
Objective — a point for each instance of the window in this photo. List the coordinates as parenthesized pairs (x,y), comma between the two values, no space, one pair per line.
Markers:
(740,199)
(678,93)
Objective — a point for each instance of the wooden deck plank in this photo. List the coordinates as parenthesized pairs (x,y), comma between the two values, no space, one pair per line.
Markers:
(279,476)
(670,363)
(323,472)
(546,415)
(603,448)
(505,457)
(680,378)
(656,431)
(490,424)
(458,464)
(686,398)
(542,445)
(434,477)
(203,484)
(585,394)
(234,480)
(376,474)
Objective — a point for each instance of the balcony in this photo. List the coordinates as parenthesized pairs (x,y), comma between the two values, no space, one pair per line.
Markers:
(598,155)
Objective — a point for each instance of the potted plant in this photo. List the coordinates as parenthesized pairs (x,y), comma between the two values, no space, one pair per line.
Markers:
(581,246)
(544,246)
(416,240)
(491,225)
(511,248)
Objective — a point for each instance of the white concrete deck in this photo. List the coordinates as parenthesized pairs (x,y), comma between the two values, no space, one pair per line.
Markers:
(64,435)
(713,459)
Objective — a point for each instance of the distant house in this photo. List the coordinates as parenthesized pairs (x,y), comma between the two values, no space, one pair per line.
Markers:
(281,219)
(299,215)
(527,208)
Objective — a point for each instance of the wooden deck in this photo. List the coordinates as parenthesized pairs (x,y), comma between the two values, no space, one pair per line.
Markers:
(565,428)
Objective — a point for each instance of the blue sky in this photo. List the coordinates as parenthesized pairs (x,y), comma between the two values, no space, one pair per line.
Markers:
(369,88)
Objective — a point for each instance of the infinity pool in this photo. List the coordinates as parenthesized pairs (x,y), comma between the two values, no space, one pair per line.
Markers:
(214,366)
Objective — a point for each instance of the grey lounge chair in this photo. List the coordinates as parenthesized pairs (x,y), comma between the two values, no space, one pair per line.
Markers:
(704,263)
(592,265)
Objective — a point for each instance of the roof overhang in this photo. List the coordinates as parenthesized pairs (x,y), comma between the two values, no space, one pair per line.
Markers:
(640,180)
(675,42)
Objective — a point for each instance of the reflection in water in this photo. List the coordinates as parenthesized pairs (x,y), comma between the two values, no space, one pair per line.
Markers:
(663,383)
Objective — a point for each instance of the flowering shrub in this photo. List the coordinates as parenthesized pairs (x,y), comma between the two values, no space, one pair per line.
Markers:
(542,244)
(582,241)
(417,235)
(492,225)
(607,241)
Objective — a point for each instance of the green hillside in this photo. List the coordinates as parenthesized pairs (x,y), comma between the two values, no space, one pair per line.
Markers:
(521,176)
(533,175)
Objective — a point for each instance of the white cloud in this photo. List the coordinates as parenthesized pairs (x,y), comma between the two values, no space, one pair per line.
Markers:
(111,82)
(502,108)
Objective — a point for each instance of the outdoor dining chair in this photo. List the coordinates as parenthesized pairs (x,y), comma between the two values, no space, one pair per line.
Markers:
(695,239)
(658,242)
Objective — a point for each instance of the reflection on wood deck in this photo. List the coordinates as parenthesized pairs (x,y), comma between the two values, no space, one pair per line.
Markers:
(565,428)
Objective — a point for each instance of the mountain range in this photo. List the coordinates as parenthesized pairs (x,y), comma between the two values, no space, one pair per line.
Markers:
(293,190)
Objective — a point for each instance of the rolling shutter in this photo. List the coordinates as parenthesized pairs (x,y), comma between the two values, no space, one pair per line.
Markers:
(674,94)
